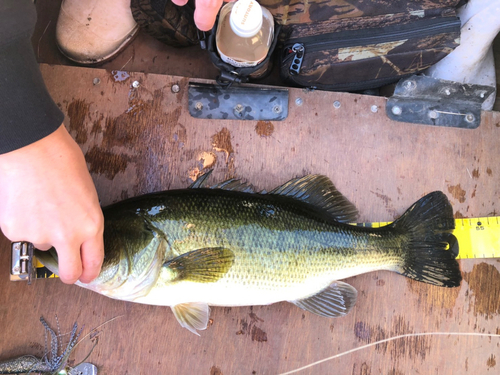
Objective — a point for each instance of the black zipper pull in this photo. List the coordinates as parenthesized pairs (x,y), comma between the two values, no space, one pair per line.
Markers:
(298,51)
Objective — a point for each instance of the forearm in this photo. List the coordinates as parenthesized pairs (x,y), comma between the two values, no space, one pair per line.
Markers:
(28,112)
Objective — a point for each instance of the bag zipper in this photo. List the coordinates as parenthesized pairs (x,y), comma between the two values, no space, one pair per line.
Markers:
(419,28)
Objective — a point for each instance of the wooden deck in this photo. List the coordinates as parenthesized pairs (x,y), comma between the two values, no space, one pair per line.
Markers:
(139,140)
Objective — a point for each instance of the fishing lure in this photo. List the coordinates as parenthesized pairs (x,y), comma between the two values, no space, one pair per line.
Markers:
(54,362)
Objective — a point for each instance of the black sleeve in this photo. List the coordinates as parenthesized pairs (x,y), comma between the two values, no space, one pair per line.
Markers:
(27,112)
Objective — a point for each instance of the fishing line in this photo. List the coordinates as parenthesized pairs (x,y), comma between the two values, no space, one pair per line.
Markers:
(93,331)
(388,340)
(100,325)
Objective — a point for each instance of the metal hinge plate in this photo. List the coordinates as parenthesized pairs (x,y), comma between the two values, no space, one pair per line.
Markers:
(430,101)
(207,101)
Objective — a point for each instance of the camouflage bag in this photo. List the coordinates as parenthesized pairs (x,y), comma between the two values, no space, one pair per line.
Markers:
(173,25)
(352,45)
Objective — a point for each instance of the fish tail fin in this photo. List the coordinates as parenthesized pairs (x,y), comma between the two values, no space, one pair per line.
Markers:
(430,248)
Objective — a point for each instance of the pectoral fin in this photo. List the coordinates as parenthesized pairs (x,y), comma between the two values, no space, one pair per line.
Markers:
(193,316)
(202,266)
(334,301)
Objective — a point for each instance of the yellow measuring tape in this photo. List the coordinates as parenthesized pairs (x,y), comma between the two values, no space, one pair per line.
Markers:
(478,238)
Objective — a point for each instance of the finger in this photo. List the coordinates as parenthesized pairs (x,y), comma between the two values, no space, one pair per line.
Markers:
(205,13)
(70,264)
(92,256)
(180,2)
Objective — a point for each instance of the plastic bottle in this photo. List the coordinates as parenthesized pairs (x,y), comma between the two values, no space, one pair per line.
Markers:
(245,33)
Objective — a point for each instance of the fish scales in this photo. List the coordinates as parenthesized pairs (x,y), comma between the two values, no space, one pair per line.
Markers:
(278,244)
(227,246)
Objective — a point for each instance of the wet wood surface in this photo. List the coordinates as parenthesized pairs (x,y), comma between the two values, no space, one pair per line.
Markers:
(139,140)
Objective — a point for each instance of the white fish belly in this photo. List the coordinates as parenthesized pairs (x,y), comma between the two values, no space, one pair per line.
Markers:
(225,294)
(229,292)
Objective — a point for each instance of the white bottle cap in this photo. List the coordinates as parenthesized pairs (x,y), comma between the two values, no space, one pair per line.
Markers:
(246,18)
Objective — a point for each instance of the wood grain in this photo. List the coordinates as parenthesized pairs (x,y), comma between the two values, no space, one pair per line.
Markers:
(142,140)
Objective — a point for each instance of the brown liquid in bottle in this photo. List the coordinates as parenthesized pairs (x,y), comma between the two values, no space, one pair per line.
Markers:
(241,51)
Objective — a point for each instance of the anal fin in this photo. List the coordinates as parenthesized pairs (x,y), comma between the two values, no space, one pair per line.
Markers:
(193,316)
(334,301)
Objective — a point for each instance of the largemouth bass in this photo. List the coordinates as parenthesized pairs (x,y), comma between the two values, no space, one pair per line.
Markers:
(230,246)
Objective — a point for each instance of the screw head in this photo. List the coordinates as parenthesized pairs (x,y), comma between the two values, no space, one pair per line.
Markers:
(238,110)
(409,85)
(299,101)
(96,81)
(374,108)
(277,109)
(176,88)
(469,117)
(396,110)
(433,114)
(198,106)
(135,84)
(336,104)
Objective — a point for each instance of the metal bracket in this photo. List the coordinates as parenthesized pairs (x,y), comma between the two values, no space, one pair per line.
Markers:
(425,100)
(209,101)
(22,264)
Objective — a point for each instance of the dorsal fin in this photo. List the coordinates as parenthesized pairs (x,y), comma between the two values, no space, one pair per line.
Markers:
(201,180)
(319,191)
(316,190)
(235,185)
(232,184)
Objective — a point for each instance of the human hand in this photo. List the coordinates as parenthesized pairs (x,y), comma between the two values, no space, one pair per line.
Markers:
(205,12)
(48,198)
